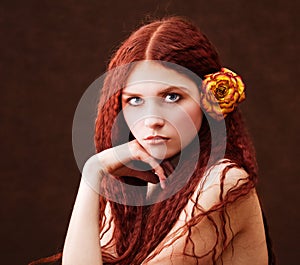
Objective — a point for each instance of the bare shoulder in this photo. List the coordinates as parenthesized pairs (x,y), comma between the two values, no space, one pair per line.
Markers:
(208,192)
(245,211)
(245,238)
(245,228)
(234,175)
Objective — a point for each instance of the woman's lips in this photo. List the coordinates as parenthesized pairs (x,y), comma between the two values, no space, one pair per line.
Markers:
(156,139)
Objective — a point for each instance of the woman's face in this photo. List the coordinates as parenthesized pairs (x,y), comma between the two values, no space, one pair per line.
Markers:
(161,108)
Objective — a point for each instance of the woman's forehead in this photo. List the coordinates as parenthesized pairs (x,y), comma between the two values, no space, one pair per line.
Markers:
(147,72)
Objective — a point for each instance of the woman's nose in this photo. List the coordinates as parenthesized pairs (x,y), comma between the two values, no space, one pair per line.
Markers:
(153,113)
(154,121)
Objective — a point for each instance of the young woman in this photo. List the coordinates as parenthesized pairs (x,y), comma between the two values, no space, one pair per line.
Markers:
(173,180)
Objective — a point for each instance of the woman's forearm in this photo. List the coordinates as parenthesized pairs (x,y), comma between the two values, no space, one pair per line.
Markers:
(82,244)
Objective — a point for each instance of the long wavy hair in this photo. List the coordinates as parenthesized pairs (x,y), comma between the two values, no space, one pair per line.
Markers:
(138,230)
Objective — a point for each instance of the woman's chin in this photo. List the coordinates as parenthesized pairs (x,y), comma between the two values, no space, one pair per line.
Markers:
(158,153)
(158,156)
(161,154)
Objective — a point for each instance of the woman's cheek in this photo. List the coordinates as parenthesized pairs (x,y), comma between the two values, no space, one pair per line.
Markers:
(187,123)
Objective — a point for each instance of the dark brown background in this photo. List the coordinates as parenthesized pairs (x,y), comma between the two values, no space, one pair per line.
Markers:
(51,51)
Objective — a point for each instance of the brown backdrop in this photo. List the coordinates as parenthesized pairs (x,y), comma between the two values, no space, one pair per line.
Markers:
(51,51)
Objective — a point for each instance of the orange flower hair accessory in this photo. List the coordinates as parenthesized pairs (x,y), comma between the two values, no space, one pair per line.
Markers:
(222,91)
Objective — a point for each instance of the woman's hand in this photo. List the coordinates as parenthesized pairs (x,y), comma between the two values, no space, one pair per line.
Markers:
(120,161)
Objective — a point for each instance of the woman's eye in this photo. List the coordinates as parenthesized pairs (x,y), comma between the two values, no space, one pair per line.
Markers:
(135,101)
(173,97)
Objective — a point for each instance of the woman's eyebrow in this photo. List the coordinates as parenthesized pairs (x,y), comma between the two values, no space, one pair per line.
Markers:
(161,92)
(172,88)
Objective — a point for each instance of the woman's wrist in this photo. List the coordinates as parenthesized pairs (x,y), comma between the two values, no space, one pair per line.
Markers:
(93,173)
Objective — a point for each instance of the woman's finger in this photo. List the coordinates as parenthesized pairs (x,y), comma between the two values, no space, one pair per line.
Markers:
(116,159)
(139,153)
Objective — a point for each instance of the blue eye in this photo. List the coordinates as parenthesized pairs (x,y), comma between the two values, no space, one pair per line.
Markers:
(172,97)
(135,101)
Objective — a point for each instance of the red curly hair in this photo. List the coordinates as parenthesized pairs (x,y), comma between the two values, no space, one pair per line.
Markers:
(139,229)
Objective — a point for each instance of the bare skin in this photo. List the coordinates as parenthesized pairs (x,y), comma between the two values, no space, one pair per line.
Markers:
(246,240)
(155,113)
(82,244)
